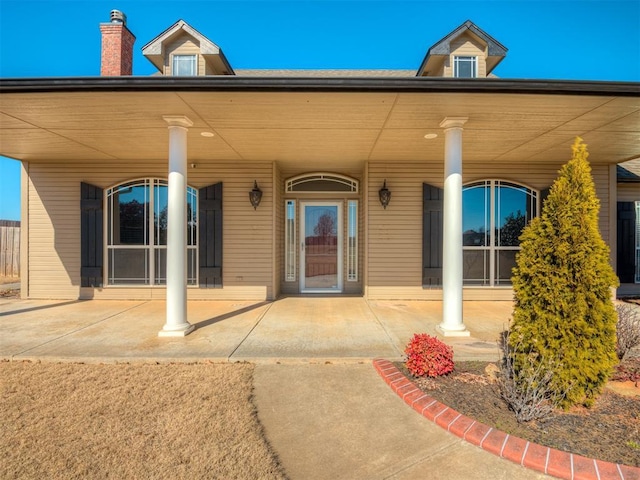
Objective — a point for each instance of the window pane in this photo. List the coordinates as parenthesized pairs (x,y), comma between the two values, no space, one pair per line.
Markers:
(129,209)
(511,214)
(192,266)
(321,246)
(475,266)
(352,243)
(290,241)
(465,67)
(192,216)
(475,216)
(160,266)
(128,266)
(505,261)
(160,206)
(184,65)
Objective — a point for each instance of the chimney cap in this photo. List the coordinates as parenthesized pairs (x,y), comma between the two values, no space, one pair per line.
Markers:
(118,17)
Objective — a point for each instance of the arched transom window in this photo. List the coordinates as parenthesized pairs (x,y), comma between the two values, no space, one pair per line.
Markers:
(494,214)
(137,233)
(322,182)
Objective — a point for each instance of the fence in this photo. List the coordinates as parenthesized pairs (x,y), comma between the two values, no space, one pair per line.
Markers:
(9,248)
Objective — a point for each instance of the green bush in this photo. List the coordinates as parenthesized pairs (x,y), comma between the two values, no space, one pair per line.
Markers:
(564,314)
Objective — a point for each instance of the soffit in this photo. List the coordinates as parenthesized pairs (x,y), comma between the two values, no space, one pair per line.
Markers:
(317,130)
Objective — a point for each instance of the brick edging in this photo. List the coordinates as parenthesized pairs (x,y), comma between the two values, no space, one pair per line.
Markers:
(528,454)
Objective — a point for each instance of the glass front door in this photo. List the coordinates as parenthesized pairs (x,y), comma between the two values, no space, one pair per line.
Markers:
(321,247)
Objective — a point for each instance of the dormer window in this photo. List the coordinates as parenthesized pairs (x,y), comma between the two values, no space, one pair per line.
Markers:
(185,65)
(465,67)
(183,51)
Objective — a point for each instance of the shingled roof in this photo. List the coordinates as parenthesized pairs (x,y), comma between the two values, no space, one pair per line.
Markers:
(293,73)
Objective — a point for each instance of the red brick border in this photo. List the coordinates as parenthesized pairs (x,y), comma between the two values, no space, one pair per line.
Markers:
(530,455)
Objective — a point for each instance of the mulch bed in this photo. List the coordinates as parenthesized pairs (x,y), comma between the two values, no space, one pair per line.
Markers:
(609,431)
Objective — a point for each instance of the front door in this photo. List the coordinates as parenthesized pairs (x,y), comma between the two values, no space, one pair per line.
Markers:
(321,247)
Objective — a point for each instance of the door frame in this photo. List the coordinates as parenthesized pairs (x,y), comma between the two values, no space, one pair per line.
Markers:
(339,204)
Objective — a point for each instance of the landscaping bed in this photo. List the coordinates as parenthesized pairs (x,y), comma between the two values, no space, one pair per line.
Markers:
(609,431)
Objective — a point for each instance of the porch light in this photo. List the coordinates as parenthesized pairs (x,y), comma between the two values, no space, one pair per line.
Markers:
(385,195)
(255,195)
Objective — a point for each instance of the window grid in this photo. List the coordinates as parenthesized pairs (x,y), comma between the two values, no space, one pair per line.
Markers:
(352,243)
(489,253)
(290,241)
(185,66)
(465,67)
(148,236)
(341,182)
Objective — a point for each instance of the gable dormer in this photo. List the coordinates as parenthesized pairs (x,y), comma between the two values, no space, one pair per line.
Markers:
(183,51)
(467,52)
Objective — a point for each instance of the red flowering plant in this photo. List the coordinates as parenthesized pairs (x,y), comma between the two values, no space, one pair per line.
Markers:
(426,355)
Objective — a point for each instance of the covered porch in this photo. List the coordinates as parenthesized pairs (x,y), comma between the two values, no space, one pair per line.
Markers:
(308,329)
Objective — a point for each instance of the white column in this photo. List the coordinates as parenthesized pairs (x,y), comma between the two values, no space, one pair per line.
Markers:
(177,324)
(452,324)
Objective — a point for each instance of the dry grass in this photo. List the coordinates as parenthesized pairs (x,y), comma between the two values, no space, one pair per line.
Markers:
(4,280)
(69,421)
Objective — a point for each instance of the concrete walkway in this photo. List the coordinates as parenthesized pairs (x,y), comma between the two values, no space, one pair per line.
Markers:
(343,422)
(325,410)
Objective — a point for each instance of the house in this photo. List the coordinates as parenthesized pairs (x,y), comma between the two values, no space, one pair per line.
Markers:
(209,182)
(628,221)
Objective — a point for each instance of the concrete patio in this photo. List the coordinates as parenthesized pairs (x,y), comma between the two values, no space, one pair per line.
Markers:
(289,330)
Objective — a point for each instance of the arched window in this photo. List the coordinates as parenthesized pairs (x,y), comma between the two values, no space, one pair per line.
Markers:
(137,233)
(494,214)
(321,183)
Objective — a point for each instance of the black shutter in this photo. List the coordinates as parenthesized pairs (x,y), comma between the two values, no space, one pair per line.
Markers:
(432,225)
(544,193)
(626,261)
(91,235)
(210,236)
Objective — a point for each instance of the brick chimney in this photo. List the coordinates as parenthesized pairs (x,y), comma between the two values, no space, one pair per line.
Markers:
(117,46)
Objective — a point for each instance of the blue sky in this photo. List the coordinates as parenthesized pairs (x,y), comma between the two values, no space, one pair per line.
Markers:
(556,39)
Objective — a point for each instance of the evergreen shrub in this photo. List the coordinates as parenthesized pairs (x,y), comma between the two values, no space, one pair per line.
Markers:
(564,315)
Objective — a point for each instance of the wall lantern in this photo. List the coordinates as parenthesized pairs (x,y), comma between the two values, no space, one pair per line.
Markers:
(255,195)
(385,195)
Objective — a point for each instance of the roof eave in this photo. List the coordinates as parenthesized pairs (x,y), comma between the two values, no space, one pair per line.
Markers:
(325,84)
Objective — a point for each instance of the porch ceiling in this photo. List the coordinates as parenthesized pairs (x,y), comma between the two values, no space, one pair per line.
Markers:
(332,130)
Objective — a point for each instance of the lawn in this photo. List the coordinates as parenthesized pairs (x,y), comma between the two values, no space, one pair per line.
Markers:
(68,421)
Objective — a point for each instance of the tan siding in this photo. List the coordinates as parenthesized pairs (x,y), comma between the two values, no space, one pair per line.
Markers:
(54,236)
(253,248)
(278,223)
(394,264)
(629,192)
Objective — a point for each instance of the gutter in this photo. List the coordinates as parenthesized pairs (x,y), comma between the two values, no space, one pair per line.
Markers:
(318,84)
